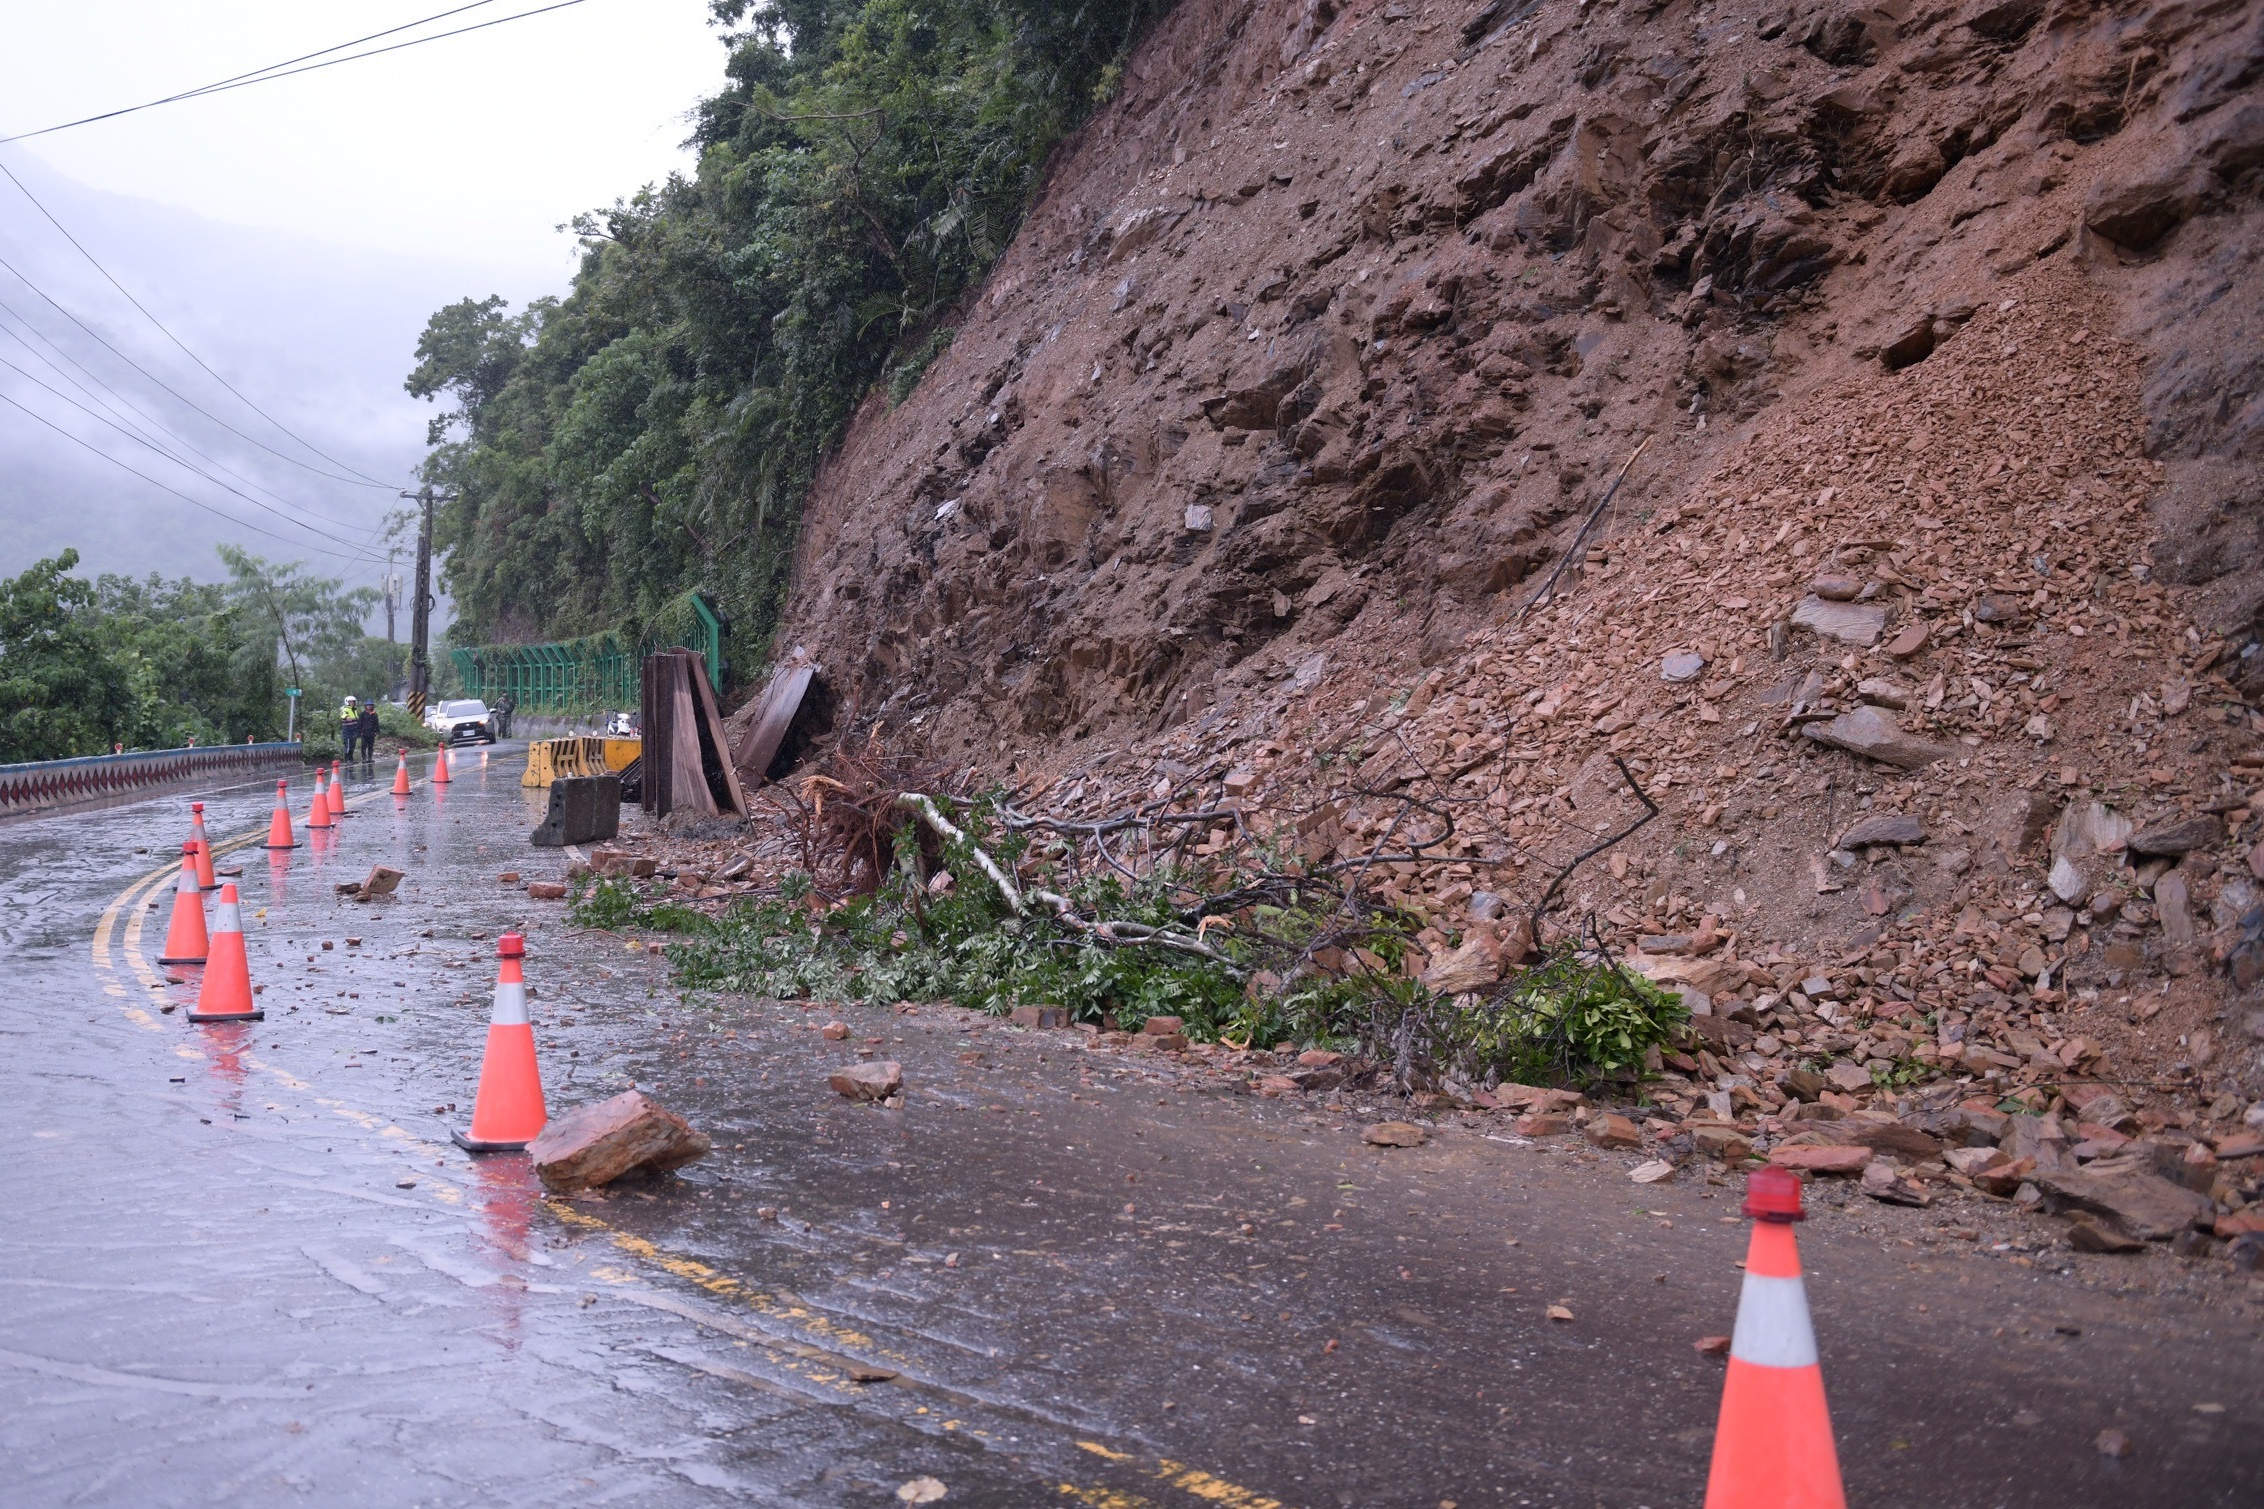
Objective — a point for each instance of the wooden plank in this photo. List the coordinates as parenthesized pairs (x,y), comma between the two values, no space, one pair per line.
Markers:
(774,716)
(687,782)
(713,740)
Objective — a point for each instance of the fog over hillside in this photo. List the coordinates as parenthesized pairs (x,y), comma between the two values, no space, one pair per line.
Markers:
(318,335)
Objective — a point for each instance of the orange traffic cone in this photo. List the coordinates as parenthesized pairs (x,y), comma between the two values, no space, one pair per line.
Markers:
(279,826)
(401,776)
(337,791)
(185,941)
(318,815)
(1773,1446)
(508,1113)
(226,995)
(440,776)
(205,881)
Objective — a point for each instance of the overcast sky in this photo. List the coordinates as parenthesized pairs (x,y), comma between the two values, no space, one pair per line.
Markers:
(295,235)
(476,146)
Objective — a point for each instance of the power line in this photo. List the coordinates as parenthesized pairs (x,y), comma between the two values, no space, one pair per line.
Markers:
(107,394)
(177,461)
(363,477)
(176,492)
(284,70)
(218,84)
(176,392)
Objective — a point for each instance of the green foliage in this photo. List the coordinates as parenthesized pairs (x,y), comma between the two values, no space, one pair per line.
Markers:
(1570,1018)
(61,690)
(901,944)
(154,664)
(1573,1017)
(905,375)
(656,429)
(396,722)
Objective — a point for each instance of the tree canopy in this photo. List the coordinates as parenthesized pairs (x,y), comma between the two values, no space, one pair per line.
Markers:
(656,428)
(153,664)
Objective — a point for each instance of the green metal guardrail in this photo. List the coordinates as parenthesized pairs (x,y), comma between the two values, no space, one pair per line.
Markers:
(595,673)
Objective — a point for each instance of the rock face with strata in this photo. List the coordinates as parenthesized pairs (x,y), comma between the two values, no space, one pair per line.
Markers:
(597,1144)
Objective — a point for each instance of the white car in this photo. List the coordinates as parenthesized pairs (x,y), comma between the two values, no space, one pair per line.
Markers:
(461,721)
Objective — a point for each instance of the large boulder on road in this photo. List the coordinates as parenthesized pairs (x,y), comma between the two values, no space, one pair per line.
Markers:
(596,1144)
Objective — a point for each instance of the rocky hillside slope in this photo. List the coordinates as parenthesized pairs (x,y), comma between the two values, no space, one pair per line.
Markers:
(1928,341)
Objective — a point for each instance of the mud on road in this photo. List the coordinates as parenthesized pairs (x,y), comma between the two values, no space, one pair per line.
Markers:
(247,1266)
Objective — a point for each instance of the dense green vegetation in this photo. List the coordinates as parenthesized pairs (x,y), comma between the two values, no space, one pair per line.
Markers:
(655,429)
(153,664)
(1574,1016)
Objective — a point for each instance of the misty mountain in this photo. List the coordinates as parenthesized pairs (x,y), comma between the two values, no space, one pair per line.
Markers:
(317,335)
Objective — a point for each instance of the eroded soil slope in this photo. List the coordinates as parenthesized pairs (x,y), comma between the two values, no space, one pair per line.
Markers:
(1937,330)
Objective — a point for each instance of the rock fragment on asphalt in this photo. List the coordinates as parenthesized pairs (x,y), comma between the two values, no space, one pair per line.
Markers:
(1395,1134)
(596,1144)
(875,1081)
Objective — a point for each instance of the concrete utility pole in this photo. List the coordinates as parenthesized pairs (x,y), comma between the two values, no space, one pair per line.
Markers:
(420,615)
(390,585)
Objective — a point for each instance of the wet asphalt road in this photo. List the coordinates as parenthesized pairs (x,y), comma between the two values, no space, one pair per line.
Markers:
(245,1266)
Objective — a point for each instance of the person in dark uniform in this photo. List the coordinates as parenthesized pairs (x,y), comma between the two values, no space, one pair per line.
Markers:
(366,726)
(504,708)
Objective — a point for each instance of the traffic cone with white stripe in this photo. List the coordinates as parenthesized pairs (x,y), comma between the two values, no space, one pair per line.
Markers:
(279,827)
(205,880)
(401,776)
(508,1112)
(186,941)
(440,776)
(318,814)
(1773,1445)
(337,790)
(226,995)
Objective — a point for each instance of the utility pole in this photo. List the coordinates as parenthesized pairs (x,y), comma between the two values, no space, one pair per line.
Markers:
(420,614)
(390,583)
